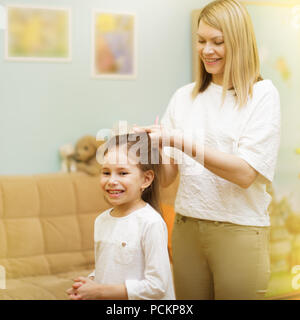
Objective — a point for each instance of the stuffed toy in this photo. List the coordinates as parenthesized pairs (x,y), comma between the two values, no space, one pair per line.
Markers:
(82,157)
(68,163)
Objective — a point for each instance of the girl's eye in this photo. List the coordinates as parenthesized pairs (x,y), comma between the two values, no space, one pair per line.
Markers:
(219,43)
(105,173)
(200,41)
(123,173)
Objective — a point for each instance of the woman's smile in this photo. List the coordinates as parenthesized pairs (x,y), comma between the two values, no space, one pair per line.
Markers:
(212,51)
(211,62)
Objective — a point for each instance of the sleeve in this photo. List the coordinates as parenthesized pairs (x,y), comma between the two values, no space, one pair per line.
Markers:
(259,143)
(157,266)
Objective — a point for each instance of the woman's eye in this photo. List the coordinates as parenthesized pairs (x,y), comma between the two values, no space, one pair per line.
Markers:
(200,41)
(105,173)
(219,43)
(123,173)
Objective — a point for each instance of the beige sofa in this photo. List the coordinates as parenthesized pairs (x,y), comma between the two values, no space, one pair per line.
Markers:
(46,232)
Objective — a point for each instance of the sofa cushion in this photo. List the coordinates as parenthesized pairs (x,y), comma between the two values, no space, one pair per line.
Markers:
(85,222)
(3,242)
(23,266)
(63,262)
(1,204)
(46,223)
(20,197)
(48,287)
(46,231)
(52,203)
(24,237)
(61,234)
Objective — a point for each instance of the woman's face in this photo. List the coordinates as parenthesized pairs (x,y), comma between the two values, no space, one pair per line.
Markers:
(212,52)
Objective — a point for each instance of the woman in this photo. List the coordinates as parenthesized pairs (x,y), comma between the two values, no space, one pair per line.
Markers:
(230,118)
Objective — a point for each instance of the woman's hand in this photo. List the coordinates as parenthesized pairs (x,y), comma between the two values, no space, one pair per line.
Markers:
(163,137)
(84,289)
(158,134)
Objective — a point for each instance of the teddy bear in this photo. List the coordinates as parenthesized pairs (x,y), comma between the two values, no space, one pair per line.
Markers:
(82,157)
(68,163)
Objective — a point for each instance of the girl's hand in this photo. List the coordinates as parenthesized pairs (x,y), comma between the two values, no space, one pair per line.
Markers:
(84,289)
(72,292)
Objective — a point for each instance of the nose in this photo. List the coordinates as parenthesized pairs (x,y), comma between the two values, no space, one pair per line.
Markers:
(207,50)
(112,181)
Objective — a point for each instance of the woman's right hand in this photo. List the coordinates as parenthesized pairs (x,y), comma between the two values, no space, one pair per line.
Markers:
(169,169)
(159,134)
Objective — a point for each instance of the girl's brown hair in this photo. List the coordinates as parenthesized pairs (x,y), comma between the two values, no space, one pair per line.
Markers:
(149,159)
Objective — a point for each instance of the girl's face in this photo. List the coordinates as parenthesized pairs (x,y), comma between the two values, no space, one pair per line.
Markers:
(121,180)
(212,52)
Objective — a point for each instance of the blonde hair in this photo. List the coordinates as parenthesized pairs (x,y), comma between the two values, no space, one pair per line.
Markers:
(242,61)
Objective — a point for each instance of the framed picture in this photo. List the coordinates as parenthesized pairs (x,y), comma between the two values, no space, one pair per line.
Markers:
(277,30)
(113,45)
(38,34)
(2,17)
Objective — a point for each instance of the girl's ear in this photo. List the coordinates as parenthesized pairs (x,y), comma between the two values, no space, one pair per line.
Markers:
(148,178)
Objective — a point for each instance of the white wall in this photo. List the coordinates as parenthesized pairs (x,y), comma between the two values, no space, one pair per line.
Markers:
(45,105)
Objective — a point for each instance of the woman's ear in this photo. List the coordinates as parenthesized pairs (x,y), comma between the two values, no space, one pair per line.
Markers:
(148,178)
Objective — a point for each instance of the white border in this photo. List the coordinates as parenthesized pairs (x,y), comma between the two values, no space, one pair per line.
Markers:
(33,59)
(113,76)
(3,16)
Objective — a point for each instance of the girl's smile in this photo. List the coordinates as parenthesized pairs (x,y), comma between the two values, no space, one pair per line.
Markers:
(122,180)
(114,194)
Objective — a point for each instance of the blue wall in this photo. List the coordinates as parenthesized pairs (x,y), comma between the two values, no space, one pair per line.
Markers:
(45,105)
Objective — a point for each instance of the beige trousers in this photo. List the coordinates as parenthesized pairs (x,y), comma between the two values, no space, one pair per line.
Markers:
(217,260)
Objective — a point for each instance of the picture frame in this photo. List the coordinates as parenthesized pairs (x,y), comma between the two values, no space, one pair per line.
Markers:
(2,17)
(113,49)
(38,34)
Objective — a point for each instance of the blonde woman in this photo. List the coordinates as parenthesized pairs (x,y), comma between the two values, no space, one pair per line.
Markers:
(230,121)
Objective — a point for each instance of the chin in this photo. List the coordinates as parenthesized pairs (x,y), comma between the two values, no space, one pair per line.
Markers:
(107,201)
(213,71)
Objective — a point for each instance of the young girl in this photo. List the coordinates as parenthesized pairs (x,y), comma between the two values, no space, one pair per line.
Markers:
(131,255)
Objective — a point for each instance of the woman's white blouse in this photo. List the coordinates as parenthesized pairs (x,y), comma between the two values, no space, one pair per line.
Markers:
(251,132)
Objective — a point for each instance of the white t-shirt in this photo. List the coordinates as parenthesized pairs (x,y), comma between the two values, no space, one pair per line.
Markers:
(251,132)
(134,250)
